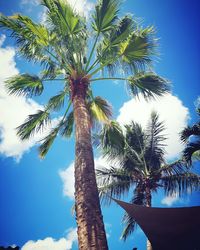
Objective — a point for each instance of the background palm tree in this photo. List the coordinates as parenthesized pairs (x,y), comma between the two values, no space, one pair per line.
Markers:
(192,149)
(139,155)
(60,46)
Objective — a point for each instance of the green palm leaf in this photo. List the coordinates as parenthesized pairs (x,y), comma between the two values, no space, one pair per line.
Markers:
(24,84)
(47,142)
(100,109)
(148,84)
(31,38)
(136,52)
(57,102)
(67,125)
(105,15)
(33,124)
(112,140)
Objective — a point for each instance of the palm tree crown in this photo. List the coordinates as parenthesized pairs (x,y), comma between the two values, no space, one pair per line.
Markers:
(61,47)
(142,168)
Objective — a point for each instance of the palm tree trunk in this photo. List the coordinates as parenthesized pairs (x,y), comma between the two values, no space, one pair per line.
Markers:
(148,204)
(91,232)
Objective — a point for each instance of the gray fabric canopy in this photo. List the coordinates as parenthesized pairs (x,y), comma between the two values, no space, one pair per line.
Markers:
(167,228)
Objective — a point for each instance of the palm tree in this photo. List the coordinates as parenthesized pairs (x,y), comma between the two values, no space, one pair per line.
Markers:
(192,148)
(139,155)
(61,47)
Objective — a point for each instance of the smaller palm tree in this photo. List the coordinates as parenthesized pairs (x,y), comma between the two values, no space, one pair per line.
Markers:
(139,155)
(192,148)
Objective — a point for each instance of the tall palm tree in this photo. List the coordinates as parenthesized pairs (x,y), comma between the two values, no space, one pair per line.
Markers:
(192,148)
(141,168)
(61,47)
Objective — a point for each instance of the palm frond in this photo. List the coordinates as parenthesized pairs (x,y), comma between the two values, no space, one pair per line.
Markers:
(33,124)
(67,125)
(174,168)
(130,225)
(154,149)
(24,84)
(100,109)
(112,140)
(31,38)
(138,199)
(190,149)
(148,84)
(137,50)
(105,15)
(190,130)
(57,102)
(108,48)
(62,18)
(181,183)
(47,142)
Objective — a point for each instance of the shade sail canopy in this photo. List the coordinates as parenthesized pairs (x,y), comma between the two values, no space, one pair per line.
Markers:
(167,228)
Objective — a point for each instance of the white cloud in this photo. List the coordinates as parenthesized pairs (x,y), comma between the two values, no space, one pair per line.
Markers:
(169,200)
(14,110)
(67,176)
(81,6)
(175,199)
(52,244)
(170,109)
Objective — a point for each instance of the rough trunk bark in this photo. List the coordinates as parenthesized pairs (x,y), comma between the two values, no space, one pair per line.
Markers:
(148,204)
(91,232)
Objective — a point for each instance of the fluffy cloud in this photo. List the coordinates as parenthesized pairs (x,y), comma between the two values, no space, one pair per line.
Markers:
(14,110)
(174,199)
(170,109)
(52,244)
(67,176)
(81,6)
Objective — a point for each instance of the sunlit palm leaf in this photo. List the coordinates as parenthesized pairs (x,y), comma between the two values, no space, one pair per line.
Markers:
(24,84)
(33,124)
(137,51)
(100,109)
(62,17)
(148,84)
(105,15)
(108,49)
(31,38)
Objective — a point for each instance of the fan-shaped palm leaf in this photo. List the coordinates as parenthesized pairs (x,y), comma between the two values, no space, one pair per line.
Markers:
(148,84)
(100,109)
(105,15)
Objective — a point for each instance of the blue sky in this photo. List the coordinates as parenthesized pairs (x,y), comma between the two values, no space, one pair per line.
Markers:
(36,195)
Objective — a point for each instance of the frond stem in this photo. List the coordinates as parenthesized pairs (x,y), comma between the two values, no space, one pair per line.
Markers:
(91,53)
(109,78)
